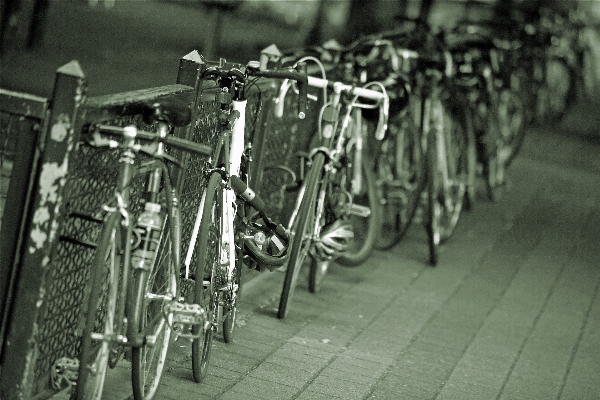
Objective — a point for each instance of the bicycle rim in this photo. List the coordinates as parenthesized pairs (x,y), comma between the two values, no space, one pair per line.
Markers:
(301,232)
(558,85)
(451,192)
(511,120)
(159,287)
(365,228)
(400,179)
(94,357)
(207,260)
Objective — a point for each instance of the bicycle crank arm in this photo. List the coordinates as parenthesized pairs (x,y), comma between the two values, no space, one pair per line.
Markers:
(360,211)
(109,338)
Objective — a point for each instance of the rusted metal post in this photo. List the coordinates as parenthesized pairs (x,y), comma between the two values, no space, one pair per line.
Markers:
(59,136)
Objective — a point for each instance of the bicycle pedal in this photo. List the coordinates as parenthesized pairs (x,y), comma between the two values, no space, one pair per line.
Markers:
(187,314)
(360,211)
(397,195)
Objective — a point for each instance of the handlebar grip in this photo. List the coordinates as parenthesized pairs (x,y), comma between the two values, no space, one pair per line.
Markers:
(302,83)
(247,194)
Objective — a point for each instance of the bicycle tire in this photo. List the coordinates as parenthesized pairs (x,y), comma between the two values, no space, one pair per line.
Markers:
(432,208)
(505,138)
(459,159)
(400,177)
(205,292)
(94,360)
(318,270)
(304,223)
(512,124)
(161,281)
(446,199)
(557,92)
(366,229)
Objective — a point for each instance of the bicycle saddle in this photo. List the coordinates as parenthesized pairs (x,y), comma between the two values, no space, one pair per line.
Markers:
(173,112)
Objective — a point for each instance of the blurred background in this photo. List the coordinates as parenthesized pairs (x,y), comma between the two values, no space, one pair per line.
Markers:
(132,44)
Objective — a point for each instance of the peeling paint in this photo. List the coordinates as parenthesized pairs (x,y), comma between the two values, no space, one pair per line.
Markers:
(59,130)
(39,238)
(52,175)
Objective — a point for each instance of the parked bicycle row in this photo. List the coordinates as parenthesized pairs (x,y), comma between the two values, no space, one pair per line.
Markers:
(408,123)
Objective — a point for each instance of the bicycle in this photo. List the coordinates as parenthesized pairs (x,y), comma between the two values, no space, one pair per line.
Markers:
(134,297)
(228,233)
(492,84)
(399,155)
(448,143)
(336,215)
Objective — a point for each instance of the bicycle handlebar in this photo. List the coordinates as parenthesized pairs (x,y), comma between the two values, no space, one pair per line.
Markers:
(131,132)
(301,78)
(342,87)
(241,73)
(363,92)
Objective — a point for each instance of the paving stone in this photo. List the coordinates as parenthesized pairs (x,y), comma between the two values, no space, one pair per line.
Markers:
(290,376)
(262,389)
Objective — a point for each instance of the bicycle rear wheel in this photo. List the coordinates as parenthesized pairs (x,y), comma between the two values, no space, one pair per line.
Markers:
(505,137)
(94,356)
(400,169)
(511,118)
(207,261)
(302,232)
(155,288)
(448,170)
(556,94)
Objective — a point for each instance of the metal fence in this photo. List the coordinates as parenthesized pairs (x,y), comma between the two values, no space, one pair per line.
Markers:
(89,182)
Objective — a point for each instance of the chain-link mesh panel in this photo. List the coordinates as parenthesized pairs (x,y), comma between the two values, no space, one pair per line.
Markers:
(284,140)
(205,131)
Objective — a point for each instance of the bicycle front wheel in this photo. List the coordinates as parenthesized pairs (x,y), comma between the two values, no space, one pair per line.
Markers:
(505,137)
(94,357)
(448,170)
(364,215)
(207,262)
(156,288)
(302,232)
(400,172)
